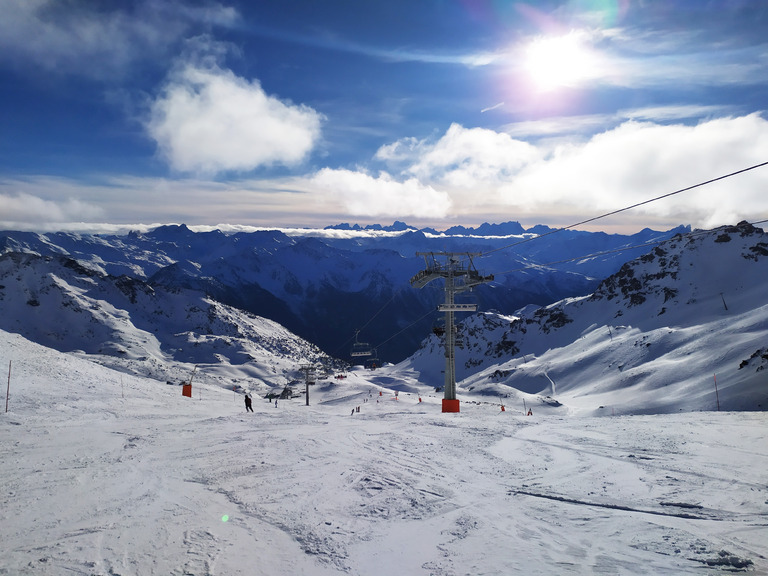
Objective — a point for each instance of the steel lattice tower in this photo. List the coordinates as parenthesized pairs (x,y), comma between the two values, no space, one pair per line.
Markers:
(460,275)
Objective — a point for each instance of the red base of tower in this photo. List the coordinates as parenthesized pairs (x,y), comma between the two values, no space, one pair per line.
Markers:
(450,405)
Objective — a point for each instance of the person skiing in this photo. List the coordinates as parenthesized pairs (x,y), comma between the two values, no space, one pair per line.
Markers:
(248,407)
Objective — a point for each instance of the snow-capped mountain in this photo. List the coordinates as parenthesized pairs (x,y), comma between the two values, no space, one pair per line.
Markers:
(668,327)
(325,284)
(151,330)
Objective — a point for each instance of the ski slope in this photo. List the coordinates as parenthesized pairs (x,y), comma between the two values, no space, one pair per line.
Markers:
(110,474)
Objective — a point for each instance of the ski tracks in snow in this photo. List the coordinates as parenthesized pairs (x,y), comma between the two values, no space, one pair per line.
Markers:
(159,485)
(684,494)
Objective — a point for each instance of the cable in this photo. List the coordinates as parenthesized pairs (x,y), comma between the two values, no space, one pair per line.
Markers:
(622,249)
(387,303)
(625,208)
(587,221)
(406,328)
(346,343)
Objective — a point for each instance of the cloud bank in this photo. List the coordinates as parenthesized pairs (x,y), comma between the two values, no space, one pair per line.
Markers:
(469,175)
(22,209)
(364,195)
(483,171)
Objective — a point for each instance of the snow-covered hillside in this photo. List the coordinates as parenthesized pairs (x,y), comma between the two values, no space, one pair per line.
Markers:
(108,474)
(657,336)
(127,323)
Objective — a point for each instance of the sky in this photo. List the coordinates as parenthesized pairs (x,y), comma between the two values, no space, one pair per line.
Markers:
(118,115)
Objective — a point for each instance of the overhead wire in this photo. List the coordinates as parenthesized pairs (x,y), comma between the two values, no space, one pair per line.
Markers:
(406,328)
(614,212)
(613,251)
(574,225)
(371,319)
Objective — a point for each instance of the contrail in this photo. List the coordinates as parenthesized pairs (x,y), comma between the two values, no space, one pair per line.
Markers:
(499,105)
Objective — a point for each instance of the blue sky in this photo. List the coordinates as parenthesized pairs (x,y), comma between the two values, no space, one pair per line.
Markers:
(120,114)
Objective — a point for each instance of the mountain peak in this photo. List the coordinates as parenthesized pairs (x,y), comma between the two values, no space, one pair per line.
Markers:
(486,229)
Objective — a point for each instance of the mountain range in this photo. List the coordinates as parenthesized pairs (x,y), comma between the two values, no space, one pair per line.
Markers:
(324,285)
(617,430)
(683,325)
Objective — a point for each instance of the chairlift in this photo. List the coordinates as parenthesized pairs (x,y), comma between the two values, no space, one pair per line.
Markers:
(373,363)
(360,348)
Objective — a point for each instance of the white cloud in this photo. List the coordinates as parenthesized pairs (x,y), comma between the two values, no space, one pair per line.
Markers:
(23,207)
(79,39)
(549,183)
(208,120)
(592,123)
(564,181)
(638,161)
(364,195)
(462,157)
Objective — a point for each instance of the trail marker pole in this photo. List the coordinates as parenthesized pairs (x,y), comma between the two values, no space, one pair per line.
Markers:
(716,393)
(8,390)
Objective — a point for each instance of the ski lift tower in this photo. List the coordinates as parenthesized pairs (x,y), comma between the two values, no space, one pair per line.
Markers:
(460,275)
(309,378)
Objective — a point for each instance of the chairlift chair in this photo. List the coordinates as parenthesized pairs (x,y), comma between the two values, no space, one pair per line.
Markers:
(373,363)
(360,348)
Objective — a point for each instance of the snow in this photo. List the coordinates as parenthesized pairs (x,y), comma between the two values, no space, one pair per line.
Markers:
(651,339)
(106,473)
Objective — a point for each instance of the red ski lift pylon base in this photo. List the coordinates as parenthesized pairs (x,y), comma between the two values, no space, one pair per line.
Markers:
(450,405)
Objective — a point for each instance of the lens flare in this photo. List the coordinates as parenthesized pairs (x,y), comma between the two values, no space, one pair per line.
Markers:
(560,61)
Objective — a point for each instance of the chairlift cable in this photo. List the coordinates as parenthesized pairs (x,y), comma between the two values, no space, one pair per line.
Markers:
(387,303)
(615,250)
(587,221)
(347,342)
(404,329)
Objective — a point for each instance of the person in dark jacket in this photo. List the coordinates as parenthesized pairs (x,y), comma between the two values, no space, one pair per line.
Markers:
(248,403)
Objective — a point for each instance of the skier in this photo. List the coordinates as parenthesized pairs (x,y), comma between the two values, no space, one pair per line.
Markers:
(248,402)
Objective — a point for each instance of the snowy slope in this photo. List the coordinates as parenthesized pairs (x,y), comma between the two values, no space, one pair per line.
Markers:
(654,337)
(108,474)
(127,323)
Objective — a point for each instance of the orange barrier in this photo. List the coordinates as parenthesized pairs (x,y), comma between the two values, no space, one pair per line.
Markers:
(186,390)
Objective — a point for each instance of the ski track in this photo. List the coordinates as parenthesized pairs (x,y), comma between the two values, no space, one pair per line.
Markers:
(98,484)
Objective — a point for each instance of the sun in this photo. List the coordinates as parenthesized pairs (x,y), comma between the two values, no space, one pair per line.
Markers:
(560,61)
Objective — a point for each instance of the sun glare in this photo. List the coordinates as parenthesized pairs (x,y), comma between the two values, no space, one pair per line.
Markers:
(560,61)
